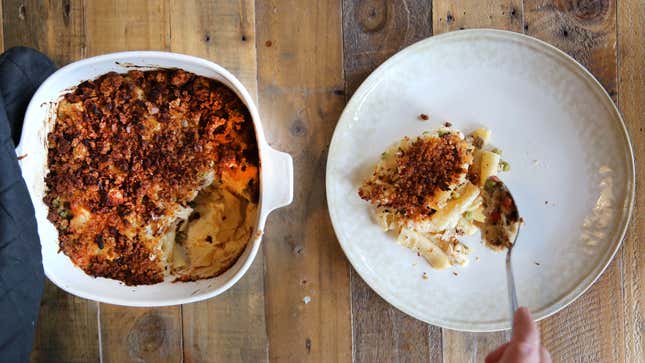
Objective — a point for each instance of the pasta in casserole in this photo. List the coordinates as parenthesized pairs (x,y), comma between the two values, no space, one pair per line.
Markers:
(152,174)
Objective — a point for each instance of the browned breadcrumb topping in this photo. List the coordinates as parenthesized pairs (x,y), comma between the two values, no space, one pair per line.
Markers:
(478,142)
(429,165)
(127,151)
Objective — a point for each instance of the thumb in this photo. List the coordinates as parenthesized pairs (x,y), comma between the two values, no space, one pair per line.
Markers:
(524,328)
(525,343)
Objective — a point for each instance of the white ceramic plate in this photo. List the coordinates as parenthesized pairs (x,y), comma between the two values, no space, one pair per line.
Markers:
(572,173)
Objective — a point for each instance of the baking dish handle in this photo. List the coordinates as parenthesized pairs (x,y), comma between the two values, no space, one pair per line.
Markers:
(279,178)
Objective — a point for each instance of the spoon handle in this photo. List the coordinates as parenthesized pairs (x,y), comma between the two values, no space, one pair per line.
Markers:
(510,281)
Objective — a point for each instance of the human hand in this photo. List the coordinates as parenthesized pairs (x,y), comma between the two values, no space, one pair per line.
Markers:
(524,346)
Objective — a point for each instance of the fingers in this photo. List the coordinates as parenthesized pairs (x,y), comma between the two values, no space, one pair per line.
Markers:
(524,328)
(495,355)
(525,344)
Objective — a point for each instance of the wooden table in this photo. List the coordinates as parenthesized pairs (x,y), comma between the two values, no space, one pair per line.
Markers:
(302,59)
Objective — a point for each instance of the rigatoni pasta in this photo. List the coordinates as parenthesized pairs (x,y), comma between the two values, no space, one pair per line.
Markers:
(428,190)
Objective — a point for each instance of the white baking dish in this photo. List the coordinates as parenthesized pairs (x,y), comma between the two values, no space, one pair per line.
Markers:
(276,181)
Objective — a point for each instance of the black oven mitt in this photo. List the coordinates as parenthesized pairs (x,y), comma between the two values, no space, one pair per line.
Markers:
(22,70)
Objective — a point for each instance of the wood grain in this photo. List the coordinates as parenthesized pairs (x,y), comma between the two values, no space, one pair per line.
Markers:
(133,334)
(1,29)
(631,88)
(67,328)
(222,31)
(56,28)
(376,29)
(592,328)
(470,347)
(372,32)
(586,30)
(120,25)
(456,15)
(300,79)
(467,14)
(384,334)
(302,91)
(231,327)
(140,334)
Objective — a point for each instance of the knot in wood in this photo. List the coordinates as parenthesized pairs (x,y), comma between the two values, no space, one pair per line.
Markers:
(372,15)
(298,128)
(586,11)
(147,334)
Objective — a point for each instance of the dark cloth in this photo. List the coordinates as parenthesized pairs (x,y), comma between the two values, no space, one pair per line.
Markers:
(22,70)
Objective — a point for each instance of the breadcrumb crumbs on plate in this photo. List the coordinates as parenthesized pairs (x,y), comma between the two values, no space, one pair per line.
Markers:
(447,124)
(424,117)
(455,273)
(428,167)
(536,263)
(425,276)
(22,156)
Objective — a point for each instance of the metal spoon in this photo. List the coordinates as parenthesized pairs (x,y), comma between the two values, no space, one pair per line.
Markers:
(510,281)
(501,227)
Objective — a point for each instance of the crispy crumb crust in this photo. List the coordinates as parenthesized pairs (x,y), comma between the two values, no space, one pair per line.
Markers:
(429,165)
(127,152)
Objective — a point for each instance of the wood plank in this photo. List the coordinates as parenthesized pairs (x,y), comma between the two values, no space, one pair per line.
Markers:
(56,29)
(384,334)
(1,29)
(375,30)
(300,80)
(119,25)
(470,347)
(631,88)
(584,30)
(592,328)
(372,32)
(222,31)
(67,328)
(467,14)
(456,15)
(133,334)
(231,327)
(140,334)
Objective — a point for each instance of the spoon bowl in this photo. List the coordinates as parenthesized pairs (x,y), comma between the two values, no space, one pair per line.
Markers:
(502,228)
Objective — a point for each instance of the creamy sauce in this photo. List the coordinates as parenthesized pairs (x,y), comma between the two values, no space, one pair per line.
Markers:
(502,218)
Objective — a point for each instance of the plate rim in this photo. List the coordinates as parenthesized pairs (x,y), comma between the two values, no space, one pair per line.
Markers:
(588,280)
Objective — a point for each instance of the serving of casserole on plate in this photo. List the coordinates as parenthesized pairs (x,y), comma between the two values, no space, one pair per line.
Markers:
(571,174)
(429,191)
